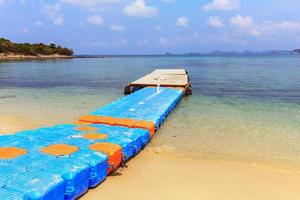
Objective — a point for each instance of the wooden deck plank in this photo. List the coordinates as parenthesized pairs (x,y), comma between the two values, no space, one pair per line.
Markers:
(165,80)
(170,71)
(177,78)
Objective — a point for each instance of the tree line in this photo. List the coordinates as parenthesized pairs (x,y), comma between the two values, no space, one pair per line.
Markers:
(7,46)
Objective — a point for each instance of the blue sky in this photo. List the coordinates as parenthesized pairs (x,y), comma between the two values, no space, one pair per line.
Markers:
(153,26)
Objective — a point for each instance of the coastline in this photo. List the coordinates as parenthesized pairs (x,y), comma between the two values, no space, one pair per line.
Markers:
(4,57)
(168,175)
(217,125)
(153,175)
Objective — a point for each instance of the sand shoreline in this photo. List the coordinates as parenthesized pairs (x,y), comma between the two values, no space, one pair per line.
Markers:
(155,176)
(5,57)
(161,173)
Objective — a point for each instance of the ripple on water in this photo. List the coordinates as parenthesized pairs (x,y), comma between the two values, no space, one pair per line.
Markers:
(232,129)
(243,109)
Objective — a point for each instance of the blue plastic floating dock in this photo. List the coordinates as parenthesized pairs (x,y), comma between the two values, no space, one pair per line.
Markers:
(145,104)
(64,161)
(17,183)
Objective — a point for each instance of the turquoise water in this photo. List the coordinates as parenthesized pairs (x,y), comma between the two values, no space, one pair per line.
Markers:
(244,109)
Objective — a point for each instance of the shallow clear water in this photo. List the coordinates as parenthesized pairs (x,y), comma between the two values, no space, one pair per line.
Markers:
(242,109)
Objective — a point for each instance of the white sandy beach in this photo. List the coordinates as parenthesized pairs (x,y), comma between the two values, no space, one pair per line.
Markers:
(28,57)
(159,173)
(155,175)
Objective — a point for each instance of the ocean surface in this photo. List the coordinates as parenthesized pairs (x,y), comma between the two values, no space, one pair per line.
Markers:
(243,109)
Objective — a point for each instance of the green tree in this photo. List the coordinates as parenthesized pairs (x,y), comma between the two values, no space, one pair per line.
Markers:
(7,46)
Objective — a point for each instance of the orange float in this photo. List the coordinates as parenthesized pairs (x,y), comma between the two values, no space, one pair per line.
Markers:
(59,149)
(131,123)
(113,151)
(11,152)
(94,136)
(86,128)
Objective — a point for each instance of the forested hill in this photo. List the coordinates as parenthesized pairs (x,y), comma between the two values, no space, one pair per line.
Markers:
(8,47)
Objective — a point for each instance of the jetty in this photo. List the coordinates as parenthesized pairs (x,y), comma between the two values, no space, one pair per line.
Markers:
(63,161)
(177,78)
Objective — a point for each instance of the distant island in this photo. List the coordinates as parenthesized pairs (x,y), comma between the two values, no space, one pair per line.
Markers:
(198,54)
(11,50)
(238,53)
(296,51)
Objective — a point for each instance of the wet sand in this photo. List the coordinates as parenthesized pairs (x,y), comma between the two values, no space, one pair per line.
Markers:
(11,125)
(153,175)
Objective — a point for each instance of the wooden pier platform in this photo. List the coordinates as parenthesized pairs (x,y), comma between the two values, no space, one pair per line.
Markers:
(177,78)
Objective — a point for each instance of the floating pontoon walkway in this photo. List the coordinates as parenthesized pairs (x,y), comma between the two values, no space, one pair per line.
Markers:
(64,161)
(177,78)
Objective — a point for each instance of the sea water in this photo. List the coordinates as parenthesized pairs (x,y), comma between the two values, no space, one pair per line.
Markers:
(243,108)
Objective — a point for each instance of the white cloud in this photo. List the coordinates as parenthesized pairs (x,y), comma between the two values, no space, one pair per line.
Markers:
(54,12)
(99,44)
(94,6)
(200,39)
(222,5)
(225,38)
(245,24)
(163,41)
(142,43)
(95,20)
(38,23)
(24,30)
(241,21)
(89,3)
(267,30)
(182,21)
(158,27)
(22,2)
(168,1)
(120,42)
(138,8)
(118,28)
(94,44)
(215,21)
(58,21)
(290,27)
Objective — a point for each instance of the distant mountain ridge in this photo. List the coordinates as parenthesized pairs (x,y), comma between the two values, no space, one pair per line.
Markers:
(195,54)
(221,53)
